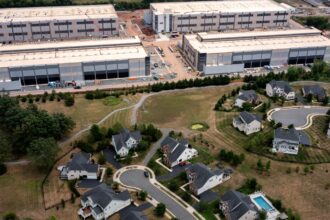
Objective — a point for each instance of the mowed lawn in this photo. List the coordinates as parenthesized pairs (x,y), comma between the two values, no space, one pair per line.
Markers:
(181,108)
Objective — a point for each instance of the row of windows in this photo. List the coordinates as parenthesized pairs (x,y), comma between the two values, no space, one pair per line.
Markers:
(15,25)
(281,13)
(227,23)
(280,21)
(263,22)
(39,24)
(227,16)
(253,63)
(209,16)
(63,23)
(40,32)
(245,15)
(263,14)
(304,60)
(107,21)
(187,18)
(208,24)
(86,30)
(63,31)
(18,34)
(187,25)
(245,22)
(106,74)
(85,22)
(107,29)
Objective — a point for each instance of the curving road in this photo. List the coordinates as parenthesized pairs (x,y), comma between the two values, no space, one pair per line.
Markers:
(300,117)
(136,178)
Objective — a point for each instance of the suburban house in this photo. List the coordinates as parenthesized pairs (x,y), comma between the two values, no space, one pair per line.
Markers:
(238,206)
(249,96)
(176,152)
(280,89)
(288,140)
(202,178)
(80,166)
(102,202)
(247,122)
(133,215)
(125,141)
(315,90)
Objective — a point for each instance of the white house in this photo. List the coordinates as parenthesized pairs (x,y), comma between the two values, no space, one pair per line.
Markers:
(289,140)
(102,202)
(125,141)
(176,152)
(237,206)
(80,166)
(202,178)
(249,96)
(247,122)
(280,89)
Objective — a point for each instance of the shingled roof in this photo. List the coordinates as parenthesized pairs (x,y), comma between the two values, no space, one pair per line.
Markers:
(81,161)
(121,138)
(247,95)
(238,204)
(292,134)
(249,117)
(203,174)
(281,84)
(316,90)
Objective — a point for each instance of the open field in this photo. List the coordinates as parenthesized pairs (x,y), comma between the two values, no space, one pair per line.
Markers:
(86,112)
(181,109)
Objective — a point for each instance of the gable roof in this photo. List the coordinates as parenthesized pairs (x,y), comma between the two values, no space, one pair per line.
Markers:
(102,195)
(315,90)
(176,153)
(134,215)
(121,138)
(170,142)
(81,161)
(203,174)
(247,95)
(249,117)
(238,204)
(281,84)
(292,134)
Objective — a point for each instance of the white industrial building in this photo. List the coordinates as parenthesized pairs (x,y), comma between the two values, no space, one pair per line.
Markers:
(41,23)
(44,62)
(216,15)
(214,53)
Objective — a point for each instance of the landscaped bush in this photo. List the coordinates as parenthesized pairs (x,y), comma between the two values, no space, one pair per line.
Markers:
(69,100)
(230,157)
(250,186)
(3,169)
(82,145)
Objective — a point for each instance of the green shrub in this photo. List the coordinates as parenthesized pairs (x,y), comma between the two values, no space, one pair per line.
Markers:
(3,169)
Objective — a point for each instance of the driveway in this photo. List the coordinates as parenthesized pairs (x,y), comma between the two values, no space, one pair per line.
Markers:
(300,116)
(110,154)
(124,212)
(88,184)
(136,178)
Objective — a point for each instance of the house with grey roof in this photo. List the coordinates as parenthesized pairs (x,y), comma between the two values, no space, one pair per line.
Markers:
(289,140)
(102,202)
(249,96)
(280,89)
(125,141)
(247,122)
(317,91)
(80,166)
(176,152)
(238,206)
(202,178)
(133,215)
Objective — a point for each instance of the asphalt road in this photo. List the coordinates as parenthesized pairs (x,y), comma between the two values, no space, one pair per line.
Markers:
(136,178)
(297,117)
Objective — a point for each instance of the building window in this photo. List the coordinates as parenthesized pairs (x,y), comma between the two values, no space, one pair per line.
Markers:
(18,34)
(64,31)
(85,22)
(245,22)
(187,18)
(280,21)
(246,15)
(209,16)
(16,25)
(41,32)
(281,13)
(208,24)
(63,23)
(187,25)
(85,30)
(263,22)
(107,29)
(107,21)
(227,16)
(39,24)
(227,23)
(263,14)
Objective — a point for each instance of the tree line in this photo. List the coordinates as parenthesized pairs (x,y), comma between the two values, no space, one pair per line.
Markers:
(30,131)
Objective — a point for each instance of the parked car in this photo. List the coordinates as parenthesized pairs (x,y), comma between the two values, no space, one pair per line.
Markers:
(146,174)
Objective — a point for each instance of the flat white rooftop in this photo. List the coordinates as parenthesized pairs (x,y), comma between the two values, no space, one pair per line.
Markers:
(67,55)
(269,42)
(43,45)
(218,6)
(207,36)
(57,13)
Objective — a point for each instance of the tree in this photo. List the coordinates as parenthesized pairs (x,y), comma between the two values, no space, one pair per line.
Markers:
(187,197)
(325,100)
(3,169)
(43,152)
(101,159)
(160,209)
(173,186)
(109,171)
(309,98)
(262,215)
(260,165)
(142,195)
(95,133)
(291,126)
(268,166)
(5,147)
(69,100)
(10,216)
(143,145)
